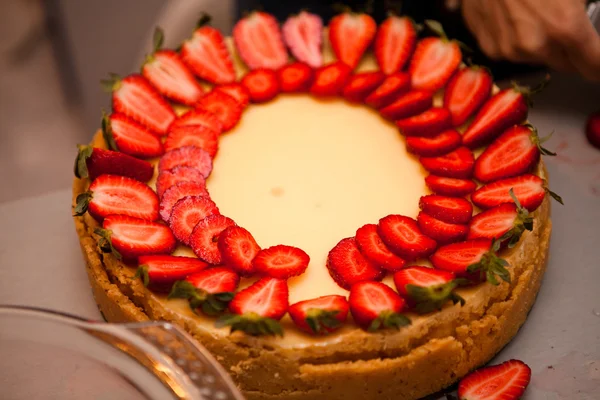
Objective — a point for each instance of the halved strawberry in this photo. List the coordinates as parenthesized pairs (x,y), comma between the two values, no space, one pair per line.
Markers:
(205,237)
(119,195)
(127,136)
(392,87)
(407,105)
(440,231)
(453,210)
(350,34)
(372,247)
(187,212)
(506,381)
(402,235)
(303,35)
(505,222)
(199,117)
(259,42)
(456,164)
(237,91)
(515,152)
(592,129)
(295,77)
(171,177)
(321,315)
(428,123)
(376,306)
(238,248)
(348,266)
(91,162)
(159,272)
(360,85)
(129,237)
(394,43)
(187,156)
(330,79)
(262,85)
(135,97)
(177,192)
(257,309)
(193,135)
(281,261)
(206,54)
(466,92)
(438,145)
(453,187)
(224,107)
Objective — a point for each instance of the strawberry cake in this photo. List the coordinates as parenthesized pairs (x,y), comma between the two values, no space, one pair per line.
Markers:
(341,213)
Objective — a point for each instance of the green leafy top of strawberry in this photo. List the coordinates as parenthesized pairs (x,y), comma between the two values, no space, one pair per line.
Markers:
(492,266)
(434,297)
(389,320)
(250,323)
(524,221)
(82,203)
(203,20)
(538,141)
(527,92)
(105,244)
(83,153)
(437,28)
(555,196)
(107,133)
(321,321)
(209,303)
(111,84)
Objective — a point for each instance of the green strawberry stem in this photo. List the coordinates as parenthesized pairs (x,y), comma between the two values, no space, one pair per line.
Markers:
(524,221)
(250,323)
(210,303)
(107,133)
(105,243)
(535,139)
(322,321)
(437,28)
(552,194)
(389,320)
(432,298)
(491,266)
(158,39)
(528,92)
(112,83)
(83,153)
(203,20)
(83,202)
(142,273)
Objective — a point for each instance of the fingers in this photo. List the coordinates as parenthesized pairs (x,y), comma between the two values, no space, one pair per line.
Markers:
(582,46)
(477,16)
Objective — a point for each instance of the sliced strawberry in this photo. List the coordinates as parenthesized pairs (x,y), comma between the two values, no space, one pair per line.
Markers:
(259,42)
(238,248)
(320,316)
(394,43)
(199,117)
(119,195)
(453,187)
(281,261)
(456,164)
(215,280)
(515,152)
(403,237)
(408,105)
(466,92)
(438,145)
(506,381)
(205,236)
(295,78)
(193,135)
(224,107)
(91,162)
(360,85)
(135,97)
(129,238)
(177,192)
(330,79)
(262,85)
(206,54)
(237,91)
(129,137)
(453,210)
(172,177)
(428,123)
(303,35)
(350,34)
(372,247)
(440,231)
(392,87)
(187,156)
(376,306)
(348,266)
(592,129)
(505,222)
(159,272)
(187,212)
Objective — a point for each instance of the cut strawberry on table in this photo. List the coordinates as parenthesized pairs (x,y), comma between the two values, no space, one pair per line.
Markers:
(91,162)
(205,237)
(453,210)
(238,248)
(372,247)
(330,79)
(440,231)
(466,92)
(303,35)
(127,136)
(506,381)
(348,266)
(281,261)
(135,97)
(187,212)
(295,78)
(376,306)
(224,107)
(438,145)
(393,86)
(199,117)
(206,54)
(453,187)
(187,156)
(321,315)
(171,177)
(262,85)
(360,85)
(394,43)
(456,164)
(408,105)
(350,34)
(160,272)
(429,123)
(177,192)
(118,195)
(592,130)
(259,42)
(257,309)
(403,237)
(237,91)
(193,135)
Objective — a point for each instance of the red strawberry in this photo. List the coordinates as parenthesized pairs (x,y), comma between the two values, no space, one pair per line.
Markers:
(453,210)
(281,261)
(224,107)
(206,54)
(402,235)
(592,129)
(450,186)
(330,79)
(187,212)
(440,231)
(321,315)
(428,123)
(295,78)
(177,192)
(237,91)
(171,177)
(372,247)
(92,162)
(506,381)
(159,272)
(193,135)
(259,41)
(529,189)
(466,92)
(205,237)
(262,85)
(408,105)
(504,222)
(350,34)
(394,43)
(135,97)
(376,306)
(165,70)
(129,137)
(187,156)
(238,248)
(129,238)
(456,164)
(392,87)
(347,265)
(427,289)
(361,85)
(119,195)
(515,152)
(303,35)
(199,117)
(438,145)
